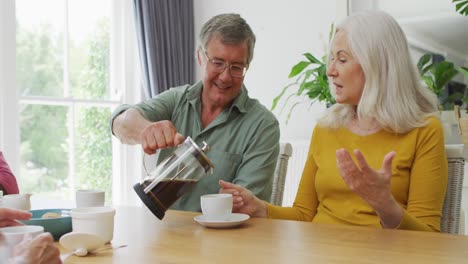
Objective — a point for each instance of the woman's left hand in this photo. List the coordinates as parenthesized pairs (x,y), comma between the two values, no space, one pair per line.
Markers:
(371,185)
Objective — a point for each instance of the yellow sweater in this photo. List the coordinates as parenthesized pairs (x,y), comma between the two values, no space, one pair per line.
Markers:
(419,178)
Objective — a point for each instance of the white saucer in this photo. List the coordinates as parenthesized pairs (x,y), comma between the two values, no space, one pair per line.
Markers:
(81,243)
(232,221)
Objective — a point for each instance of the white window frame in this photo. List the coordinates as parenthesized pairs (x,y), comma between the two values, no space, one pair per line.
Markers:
(125,88)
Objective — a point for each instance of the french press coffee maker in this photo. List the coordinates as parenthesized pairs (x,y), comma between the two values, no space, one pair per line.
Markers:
(174,176)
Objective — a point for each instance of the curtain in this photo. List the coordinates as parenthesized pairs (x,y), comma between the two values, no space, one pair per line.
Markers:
(165,34)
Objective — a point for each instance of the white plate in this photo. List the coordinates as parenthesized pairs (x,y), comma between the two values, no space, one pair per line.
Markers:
(232,221)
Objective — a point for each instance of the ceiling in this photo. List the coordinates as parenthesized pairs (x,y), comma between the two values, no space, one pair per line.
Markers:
(447,32)
(432,23)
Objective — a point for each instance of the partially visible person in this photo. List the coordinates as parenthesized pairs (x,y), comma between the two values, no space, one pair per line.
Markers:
(40,250)
(8,182)
(243,134)
(377,157)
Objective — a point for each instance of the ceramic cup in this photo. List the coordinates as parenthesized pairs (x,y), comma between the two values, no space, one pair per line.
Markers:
(216,207)
(94,220)
(90,198)
(15,234)
(18,201)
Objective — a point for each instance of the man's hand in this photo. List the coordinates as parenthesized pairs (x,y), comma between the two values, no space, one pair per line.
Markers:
(159,135)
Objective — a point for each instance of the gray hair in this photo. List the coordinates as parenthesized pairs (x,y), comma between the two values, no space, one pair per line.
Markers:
(231,29)
(393,93)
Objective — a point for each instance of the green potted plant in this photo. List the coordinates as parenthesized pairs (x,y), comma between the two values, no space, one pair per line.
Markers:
(436,75)
(311,82)
(461,6)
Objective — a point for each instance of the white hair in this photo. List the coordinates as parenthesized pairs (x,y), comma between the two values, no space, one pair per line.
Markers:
(393,94)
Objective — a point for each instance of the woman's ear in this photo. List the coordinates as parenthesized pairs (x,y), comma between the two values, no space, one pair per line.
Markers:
(199,57)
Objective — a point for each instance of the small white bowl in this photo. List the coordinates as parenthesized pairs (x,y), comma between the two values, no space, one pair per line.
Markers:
(15,234)
(94,220)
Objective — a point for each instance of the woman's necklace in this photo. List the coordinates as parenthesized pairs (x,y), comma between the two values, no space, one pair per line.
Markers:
(355,123)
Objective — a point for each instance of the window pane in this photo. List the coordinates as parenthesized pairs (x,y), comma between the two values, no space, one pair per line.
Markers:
(89,48)
(65,143)
(39,47)
(44,150)
(93,150)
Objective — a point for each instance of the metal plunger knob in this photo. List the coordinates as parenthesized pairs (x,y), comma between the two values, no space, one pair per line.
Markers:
(205,147)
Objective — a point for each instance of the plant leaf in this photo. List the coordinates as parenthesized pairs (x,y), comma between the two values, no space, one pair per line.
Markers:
(331,33)
(314,91)
(461,6)
(311,58)
(464,71)
(422,62)
(298,68)
(277,98)
(430,84)
(290,111)
(443,72)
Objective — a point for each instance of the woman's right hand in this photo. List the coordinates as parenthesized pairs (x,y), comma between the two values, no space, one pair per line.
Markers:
(40,250)
(244,201)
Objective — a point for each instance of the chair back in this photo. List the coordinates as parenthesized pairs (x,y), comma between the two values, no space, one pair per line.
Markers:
(281,170)
(451,211)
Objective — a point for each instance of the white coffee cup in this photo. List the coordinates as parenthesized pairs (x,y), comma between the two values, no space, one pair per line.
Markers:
(15,234)
(216,207)
(90,198)
(94,220)
(20,201)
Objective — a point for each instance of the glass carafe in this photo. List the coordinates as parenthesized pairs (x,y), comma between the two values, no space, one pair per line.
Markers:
(174,176)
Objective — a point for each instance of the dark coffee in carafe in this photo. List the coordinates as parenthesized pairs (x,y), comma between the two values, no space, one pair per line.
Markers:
(173,177)
(166,192)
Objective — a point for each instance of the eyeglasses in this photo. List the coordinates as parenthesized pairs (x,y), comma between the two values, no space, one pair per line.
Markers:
(236,70)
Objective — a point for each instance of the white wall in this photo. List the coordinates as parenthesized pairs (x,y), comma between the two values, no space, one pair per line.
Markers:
(284,30)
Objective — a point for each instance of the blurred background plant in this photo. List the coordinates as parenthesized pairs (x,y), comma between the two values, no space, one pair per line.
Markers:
(311,82)
(436,76)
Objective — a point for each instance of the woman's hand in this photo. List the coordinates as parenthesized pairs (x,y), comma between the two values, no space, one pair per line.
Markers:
(244,201)
(371,185)
(40,250)
(8,216)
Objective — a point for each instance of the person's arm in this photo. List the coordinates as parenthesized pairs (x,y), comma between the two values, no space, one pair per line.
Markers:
(128,126)
(149,123)
(373,186)
(306,202)
(8,182)
(428,181)
(243,200)
(256,170)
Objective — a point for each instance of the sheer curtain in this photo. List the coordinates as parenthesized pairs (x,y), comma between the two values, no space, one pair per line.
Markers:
(125,82)
(166,43)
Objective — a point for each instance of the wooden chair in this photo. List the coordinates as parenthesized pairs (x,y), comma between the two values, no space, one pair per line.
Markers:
(452,215)
(280,173)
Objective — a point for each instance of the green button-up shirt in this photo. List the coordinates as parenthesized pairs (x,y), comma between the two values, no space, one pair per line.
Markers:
(244,140)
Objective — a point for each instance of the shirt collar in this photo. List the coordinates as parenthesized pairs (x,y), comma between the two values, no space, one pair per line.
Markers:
(240,102)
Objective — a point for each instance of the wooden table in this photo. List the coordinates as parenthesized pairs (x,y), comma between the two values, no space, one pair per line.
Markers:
(179,239)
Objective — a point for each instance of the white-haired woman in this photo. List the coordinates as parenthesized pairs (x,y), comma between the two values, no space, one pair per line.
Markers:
(377,157)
